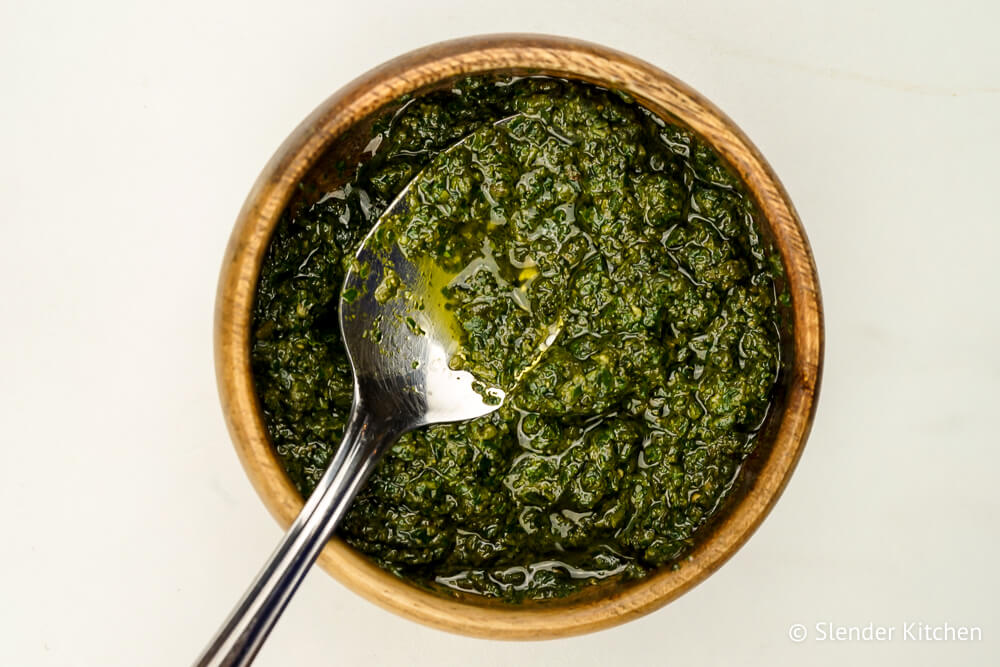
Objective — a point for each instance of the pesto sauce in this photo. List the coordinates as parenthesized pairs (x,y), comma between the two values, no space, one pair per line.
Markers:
(586,227)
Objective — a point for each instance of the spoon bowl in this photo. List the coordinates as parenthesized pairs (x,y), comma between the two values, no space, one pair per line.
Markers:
(400,341)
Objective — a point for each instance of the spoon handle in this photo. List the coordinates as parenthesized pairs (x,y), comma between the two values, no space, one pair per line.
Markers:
(243,633)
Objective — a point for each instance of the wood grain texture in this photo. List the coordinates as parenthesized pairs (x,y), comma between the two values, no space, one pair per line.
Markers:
(661,93)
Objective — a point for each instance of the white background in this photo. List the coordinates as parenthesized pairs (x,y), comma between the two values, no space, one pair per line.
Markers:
(129,136)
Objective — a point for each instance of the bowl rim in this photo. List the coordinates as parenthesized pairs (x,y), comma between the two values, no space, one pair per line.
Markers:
(556,56)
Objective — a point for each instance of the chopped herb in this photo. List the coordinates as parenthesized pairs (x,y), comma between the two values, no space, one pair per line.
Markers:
(616,245)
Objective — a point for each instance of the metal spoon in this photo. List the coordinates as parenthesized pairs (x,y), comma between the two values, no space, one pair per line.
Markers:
(401,382)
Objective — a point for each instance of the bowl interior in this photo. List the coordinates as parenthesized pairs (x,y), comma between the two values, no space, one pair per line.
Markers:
(348,149)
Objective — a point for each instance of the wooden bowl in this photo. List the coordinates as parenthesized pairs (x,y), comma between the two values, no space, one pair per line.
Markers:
(338,128)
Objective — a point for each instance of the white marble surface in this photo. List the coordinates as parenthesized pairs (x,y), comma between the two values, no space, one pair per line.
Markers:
(130,134)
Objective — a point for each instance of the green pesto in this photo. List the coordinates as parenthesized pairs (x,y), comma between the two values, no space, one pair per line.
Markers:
(586,227)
